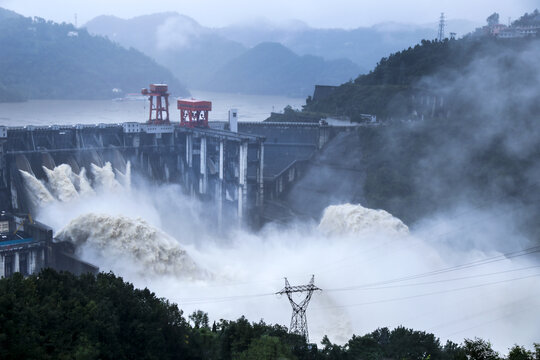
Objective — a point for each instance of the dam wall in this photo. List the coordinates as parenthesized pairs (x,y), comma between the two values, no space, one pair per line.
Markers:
(289,146)
(237,172)
(214,165)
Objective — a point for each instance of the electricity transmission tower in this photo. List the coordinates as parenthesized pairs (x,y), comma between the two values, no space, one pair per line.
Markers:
(298,319)
(442,25)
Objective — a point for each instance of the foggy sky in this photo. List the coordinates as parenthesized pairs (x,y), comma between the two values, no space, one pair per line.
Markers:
(337,13)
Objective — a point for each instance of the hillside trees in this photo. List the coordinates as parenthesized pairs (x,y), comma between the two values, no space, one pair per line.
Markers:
(45,60)
(532,19)
(478,99)
(61,316)
(399,86)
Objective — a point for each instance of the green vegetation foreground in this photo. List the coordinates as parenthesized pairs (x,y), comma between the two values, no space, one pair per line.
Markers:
(62,316)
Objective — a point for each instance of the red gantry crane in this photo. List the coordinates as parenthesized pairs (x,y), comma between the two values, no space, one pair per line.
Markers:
(159,112)
(194,113)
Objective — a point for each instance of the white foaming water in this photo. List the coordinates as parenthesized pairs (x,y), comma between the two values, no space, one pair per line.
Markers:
(125,179)
(65,186)
(351,247)
(146,248)
(38,193)
(104,178)
(112,238)
(82,183)
(61,182)
(348,218)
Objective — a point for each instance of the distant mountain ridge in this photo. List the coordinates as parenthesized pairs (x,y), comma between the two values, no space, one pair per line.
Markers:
(191,51)
(271,68)
(45,60)
(363,45)
(205,59)
(200,56)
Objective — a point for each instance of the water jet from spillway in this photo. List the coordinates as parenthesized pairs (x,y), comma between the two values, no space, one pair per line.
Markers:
(148,249)
(61,180)
(356,219)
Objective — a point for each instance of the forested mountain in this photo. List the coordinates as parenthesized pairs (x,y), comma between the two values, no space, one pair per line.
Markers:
(8,14)
(271,68)
(363,45)
(459,128)
(45,60)
(400,82)
(532,19)
(181,43)
(206,59)
(61,316)
(191,51)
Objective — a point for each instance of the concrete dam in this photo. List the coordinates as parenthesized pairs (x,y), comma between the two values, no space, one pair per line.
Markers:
(238,167)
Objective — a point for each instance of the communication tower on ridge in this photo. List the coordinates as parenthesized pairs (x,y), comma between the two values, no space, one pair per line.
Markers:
(298,319)
(442,25)
(159,112)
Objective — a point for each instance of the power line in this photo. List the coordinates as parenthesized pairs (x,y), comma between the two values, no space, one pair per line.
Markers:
(454,231)
(430,293)
(408,246)
(497,258)
(511,305)
(438,281)
(376,285)
(512,314)
(475,263)
(191,301)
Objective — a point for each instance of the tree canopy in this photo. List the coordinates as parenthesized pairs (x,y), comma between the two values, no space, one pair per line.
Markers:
(61,316)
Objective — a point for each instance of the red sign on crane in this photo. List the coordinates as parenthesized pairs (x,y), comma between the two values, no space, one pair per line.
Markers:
(194,113)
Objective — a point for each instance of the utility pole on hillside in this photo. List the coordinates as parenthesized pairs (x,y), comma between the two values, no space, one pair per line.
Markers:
(298,319)
(442,25)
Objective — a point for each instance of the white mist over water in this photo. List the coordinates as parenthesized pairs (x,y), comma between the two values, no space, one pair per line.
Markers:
(353,253)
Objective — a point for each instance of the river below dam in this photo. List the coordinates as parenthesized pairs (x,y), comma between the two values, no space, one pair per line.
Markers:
(61,112)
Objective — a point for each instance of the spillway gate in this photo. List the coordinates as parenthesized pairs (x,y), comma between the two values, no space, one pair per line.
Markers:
(218,166)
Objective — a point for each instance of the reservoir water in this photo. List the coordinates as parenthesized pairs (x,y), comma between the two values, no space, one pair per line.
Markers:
(48,112)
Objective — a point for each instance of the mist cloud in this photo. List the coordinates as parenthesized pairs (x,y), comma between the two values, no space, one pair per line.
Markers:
(327,15)
(176,33)
(352,266)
